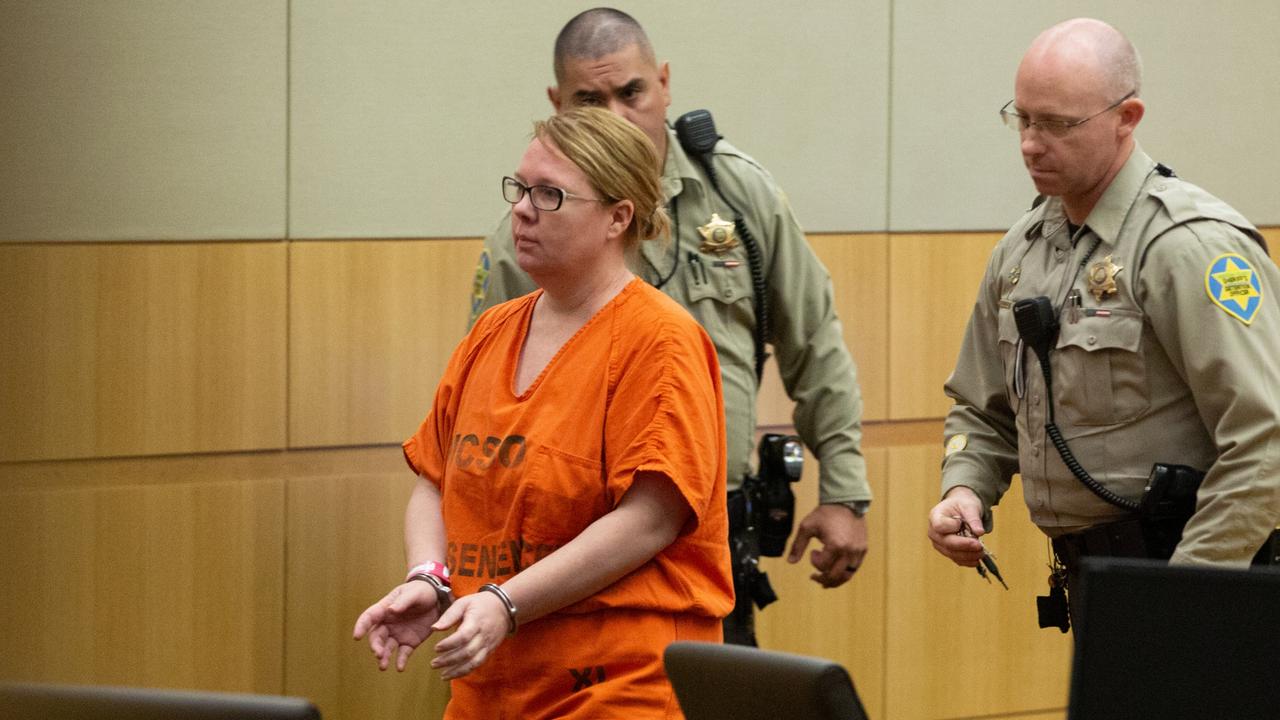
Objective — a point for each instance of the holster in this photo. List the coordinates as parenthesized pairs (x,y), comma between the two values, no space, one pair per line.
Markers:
(744,552)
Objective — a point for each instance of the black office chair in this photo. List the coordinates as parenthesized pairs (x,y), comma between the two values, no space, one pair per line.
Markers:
(731,682)
(27,701)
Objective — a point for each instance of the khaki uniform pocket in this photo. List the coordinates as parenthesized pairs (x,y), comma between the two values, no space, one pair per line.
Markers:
(1100,375)
(724,285)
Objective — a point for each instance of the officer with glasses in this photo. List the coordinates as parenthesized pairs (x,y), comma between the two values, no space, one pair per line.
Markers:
(1159,323)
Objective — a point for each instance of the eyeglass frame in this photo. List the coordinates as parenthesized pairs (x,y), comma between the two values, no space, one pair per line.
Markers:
(561,194)
(1056,128)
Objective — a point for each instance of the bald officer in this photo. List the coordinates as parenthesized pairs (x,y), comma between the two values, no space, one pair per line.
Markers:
(1169,333)
(603,57)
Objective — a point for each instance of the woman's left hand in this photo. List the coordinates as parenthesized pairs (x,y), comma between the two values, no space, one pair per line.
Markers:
(482,624)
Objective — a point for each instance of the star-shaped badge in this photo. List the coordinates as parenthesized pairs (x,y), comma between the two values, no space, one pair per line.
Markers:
(1102,278)
(717,235)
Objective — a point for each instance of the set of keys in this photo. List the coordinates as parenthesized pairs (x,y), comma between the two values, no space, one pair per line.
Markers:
(987,567)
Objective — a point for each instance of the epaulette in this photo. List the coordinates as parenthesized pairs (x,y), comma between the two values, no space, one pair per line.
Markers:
(724,149)
(1184,203)
(1165,170)
(1180,205)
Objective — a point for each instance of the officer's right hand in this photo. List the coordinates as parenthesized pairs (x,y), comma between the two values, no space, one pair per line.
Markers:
(960,506)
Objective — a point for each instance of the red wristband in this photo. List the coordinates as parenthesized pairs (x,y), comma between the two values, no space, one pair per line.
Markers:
(434,569)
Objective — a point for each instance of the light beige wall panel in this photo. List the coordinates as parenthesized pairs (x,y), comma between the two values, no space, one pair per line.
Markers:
(859,267)
(142,119)
(124,573)
(1210,95)
(801,87)
(956,167)
(346,550)
(404,115)
(141,349)
(845,624)
(959,647)
(372,325)
(937,278)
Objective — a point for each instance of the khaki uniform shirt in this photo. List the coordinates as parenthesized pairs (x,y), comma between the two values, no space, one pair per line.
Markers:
(807,340)
(1180,365)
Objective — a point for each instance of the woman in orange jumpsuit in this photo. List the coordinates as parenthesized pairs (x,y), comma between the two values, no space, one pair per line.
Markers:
(572,467)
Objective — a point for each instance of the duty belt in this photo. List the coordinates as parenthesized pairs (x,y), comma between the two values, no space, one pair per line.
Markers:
(1118,539)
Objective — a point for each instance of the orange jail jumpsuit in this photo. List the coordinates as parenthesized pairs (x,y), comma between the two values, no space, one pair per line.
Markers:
(637,388)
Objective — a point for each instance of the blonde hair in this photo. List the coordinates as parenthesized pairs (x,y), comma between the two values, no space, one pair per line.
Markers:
(619,161)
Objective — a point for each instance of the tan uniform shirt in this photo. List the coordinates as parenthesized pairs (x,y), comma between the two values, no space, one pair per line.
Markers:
(1180,365)
(807,340)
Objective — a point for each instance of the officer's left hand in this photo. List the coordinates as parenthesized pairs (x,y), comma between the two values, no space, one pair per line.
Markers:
(844,544)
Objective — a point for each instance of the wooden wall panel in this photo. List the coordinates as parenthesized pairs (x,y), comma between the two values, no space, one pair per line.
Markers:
(346,550)
(1047,715)
(114,574)
(1272,235)
(371,327)
(845,624)
(141,349)
(859,267)
(936,279)
(958,646)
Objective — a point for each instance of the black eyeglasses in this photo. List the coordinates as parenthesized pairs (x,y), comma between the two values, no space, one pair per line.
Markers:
(1057,128)
(543,197)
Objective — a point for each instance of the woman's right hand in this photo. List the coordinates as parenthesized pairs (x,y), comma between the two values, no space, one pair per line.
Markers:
(481,622)
(399,622)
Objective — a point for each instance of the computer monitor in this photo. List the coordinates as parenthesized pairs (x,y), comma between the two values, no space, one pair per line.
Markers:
(731,682)
(88,702)
(1161,642)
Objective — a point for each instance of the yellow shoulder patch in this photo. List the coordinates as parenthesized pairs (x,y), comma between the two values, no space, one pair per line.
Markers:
(957,443)
(1234,286)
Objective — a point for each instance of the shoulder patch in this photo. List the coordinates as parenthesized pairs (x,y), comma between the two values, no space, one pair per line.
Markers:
(480,283)
(957,443)
(1234,286)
